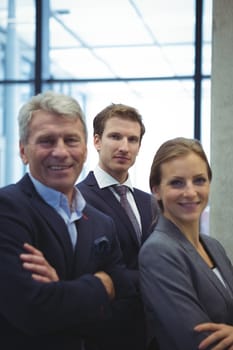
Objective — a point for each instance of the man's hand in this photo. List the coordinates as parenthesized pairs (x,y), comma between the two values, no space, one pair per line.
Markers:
(42,271)
(221,336)
(35,262)
(107,282)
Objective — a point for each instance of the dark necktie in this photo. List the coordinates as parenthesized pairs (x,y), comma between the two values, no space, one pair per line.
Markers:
(122,191)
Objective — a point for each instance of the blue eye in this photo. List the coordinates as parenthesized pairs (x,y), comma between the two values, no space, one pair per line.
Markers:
(177,183)
(200,180)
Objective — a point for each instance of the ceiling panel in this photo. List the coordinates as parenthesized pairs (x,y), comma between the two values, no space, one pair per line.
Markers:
(140,38)
(90,39)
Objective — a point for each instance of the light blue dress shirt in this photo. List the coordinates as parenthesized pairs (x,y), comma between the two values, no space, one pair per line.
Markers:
(60,203)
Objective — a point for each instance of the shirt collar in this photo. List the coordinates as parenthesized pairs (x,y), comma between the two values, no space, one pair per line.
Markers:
(105,180)
(57,199)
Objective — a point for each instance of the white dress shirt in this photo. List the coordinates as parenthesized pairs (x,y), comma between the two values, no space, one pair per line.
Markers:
(105,180)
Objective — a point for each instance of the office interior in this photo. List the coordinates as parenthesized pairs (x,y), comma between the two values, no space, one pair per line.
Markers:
(152,54)
(171,59)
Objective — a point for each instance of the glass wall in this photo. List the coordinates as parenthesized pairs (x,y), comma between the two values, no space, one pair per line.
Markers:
(17,40)
(153,55)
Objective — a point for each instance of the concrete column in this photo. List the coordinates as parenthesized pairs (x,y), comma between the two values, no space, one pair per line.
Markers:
(221,200)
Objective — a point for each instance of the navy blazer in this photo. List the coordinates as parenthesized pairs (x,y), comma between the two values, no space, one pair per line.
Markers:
(180,290)
(104,200)
(59,315)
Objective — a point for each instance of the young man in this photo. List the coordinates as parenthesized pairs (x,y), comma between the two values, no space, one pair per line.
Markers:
(48,233)
(118,132)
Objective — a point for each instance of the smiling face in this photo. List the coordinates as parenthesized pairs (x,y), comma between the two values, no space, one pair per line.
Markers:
(184,189)
(55,150)
(118,146)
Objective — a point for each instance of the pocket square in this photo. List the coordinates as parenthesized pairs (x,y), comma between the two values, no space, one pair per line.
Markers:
(101,245)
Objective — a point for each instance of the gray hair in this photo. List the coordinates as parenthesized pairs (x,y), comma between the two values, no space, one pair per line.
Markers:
(49,101)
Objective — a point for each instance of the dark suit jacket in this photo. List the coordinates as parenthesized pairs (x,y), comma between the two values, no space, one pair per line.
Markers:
(58,315)
(104,200)
(180,290)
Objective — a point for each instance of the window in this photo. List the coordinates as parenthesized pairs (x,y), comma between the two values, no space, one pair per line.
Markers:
(139,52)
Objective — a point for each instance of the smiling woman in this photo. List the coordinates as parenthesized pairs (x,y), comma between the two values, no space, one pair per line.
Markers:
(188,272)
(183,191)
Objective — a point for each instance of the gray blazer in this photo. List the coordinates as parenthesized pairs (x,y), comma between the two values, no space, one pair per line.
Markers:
(179,289)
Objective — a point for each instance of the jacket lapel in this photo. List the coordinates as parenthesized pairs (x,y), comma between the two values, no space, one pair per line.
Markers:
(84,245)
(108,197)
(145,213)
(204,268)
(222,264)
(168,227)
(209,273)
(53,220)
